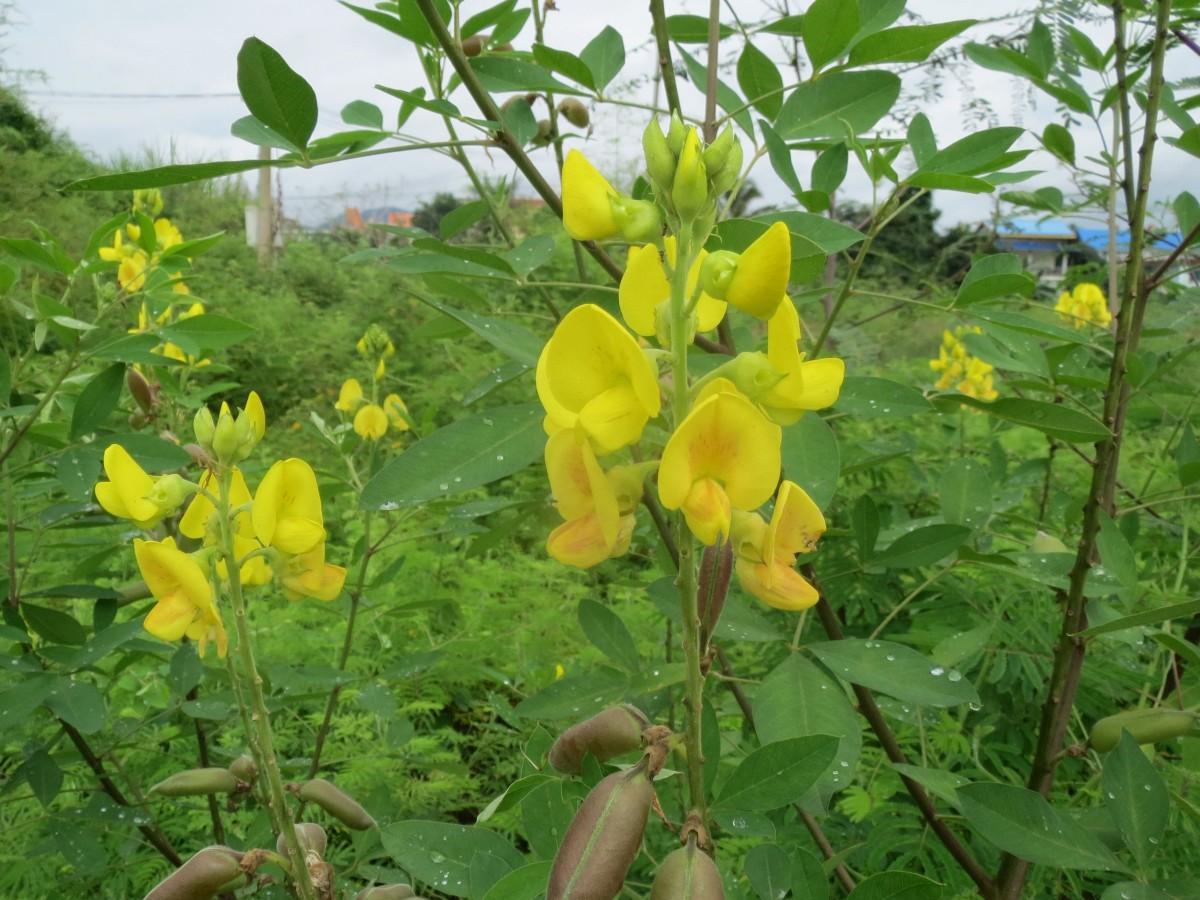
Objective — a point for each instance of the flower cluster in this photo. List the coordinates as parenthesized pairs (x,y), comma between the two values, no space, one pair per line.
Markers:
(276,533)
(1085,305)
(720,460)
(372,418)
(136,251)
(960,370)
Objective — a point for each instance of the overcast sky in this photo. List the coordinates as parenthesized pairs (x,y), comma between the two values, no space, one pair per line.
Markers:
(151,47)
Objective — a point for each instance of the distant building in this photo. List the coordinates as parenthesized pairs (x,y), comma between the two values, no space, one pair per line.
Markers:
(358,220)
(1048,247)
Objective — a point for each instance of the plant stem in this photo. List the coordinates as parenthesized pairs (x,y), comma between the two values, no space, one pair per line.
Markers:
(663,45)
(268,764)
(214,808)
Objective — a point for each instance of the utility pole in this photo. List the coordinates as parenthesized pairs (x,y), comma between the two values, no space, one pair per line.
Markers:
(265,238)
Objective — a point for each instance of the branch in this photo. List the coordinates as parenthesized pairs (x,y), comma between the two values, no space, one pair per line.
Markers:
(1157,276)
(665,66)
(214,808)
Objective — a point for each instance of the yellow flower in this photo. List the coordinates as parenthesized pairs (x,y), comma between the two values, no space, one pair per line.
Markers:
(287,508)
(131,273)
(199,521)
(166,235)
(645,288)
(723,456)
(805,385)
(592,374)
(130,493)
(559,671)
(587,200)
(584,497)
(371,422)
(755,280)
(350,396)
(119,250)
(960,370)
(185,598)
(148,201)
(308,575)
(397,412)
(766,553)
(1086,305)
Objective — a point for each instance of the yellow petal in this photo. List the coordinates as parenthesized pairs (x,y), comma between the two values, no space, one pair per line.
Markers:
(169,572)
(131,485)
(288,492)
(587,209)
(110,499)
(707,511)
(796,525)
(580,542)
(308,575)
(579,484)
(194,522)
(258,415)
(371,422)
(775,585)
(170,618)
(762,274)
(350,395)
(397,412)
(643,287)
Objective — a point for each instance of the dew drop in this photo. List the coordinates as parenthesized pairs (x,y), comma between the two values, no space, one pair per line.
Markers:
(937,671)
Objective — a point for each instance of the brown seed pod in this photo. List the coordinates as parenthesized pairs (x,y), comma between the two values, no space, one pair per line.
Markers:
(244,768)
(687,874)
(386,892)
(140,388)
(337,803)
(474,45)
(203,876)
(610,733)
(603,838)
(545,131)
(574,112)
(1145,725)
(506,47)
(311,835)
(193,782)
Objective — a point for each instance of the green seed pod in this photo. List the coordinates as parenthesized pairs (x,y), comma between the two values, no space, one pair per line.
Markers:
(716,154)
(676,134)
(687,874)
(610,733)
(1047,543)
(731,171)
(660,161)
(311,836)
(545,132)
(337,803)
(473,45)
(386,892)
(1145,725)
(206,874)
(195,782)
(574,112)
(244,768)
(603,838)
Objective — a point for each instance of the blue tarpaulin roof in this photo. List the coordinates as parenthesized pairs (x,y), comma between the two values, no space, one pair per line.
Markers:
(1050,228)
(1036,234)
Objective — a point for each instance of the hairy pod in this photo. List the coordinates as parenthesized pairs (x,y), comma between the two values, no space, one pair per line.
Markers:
(1145,726)
(474,45)
(545,131)
(337,803)
(193,782)
(244,768)
(716,566)
(687,874)
(386,892)
(201,877)
(574,112)
(140,388)
(610,733)
(603,838)
(312,838)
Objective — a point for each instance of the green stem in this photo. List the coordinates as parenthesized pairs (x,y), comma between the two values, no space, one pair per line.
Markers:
(259,719)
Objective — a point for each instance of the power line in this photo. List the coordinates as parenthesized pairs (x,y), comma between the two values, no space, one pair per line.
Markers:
(96,95)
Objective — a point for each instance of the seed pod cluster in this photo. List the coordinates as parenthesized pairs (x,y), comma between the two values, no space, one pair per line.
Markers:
(1145,726)
(197,782)
(603,838)
(202,877)
(610,733)
(687,874)
(337,803)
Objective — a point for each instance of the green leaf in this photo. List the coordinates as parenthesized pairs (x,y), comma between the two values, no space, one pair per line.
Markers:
(249,129)
(896,886)
(818,108)
(1146,617)
(760,81)
(688,29)
(1058,141)
(1136,797)
(895,670)
(41,255)
(1187,457)
(1008,349)
(799,699)
(966,494)
(998,275)
(809,881)
(513,794)
(164,176)
(97,400)
(973,154)
(1115,552)
(78,703)
(828,234)
(908,43)
(438,853)
(42,774)
(1020,821)
(938,782)
(922,547)
(205,333)
(407,23)
(864,519)
(274,93)
(363,114)
(828,27)
(545,817)
(564,63)
(829,169)
(1053,419)
(1039,47)
(462,217)
(526,883)
(468,453)
(604,56)
(788,26)
(505,74)
(151,452)
(605,629)
(487,18)
(778,774)
(511,339)
(576,696)
(811,458)
(769,870)
(532,253)
(1002,59)
(873,398)
(727,97)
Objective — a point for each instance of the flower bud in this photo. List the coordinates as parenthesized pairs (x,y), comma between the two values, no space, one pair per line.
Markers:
(244,768)
(574,112)
(603,839)
(141,389)
(687,874)
(148,201)
(337,803)
(689,190)
(660,161)
(202,425)
(311,836)
(676,134)
(225,441)
(638,220)
(386,892)
(731,171)
(202,877)
(170,491)
(610,733)
(196,782)
(716,154)
(717,271)
(1146,726)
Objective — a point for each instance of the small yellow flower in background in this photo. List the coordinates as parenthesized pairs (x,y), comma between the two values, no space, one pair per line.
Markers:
(287,508)
(166,234)
(756,279)
(587,200)
(377,345)
(397,412)
(725,455)
(371,422)
(805,385)
(591,374)
(644,289)
(130,493)
(1085,305)
(960,370)
(185,604)
(350,397)
(766,553)
(559,671)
